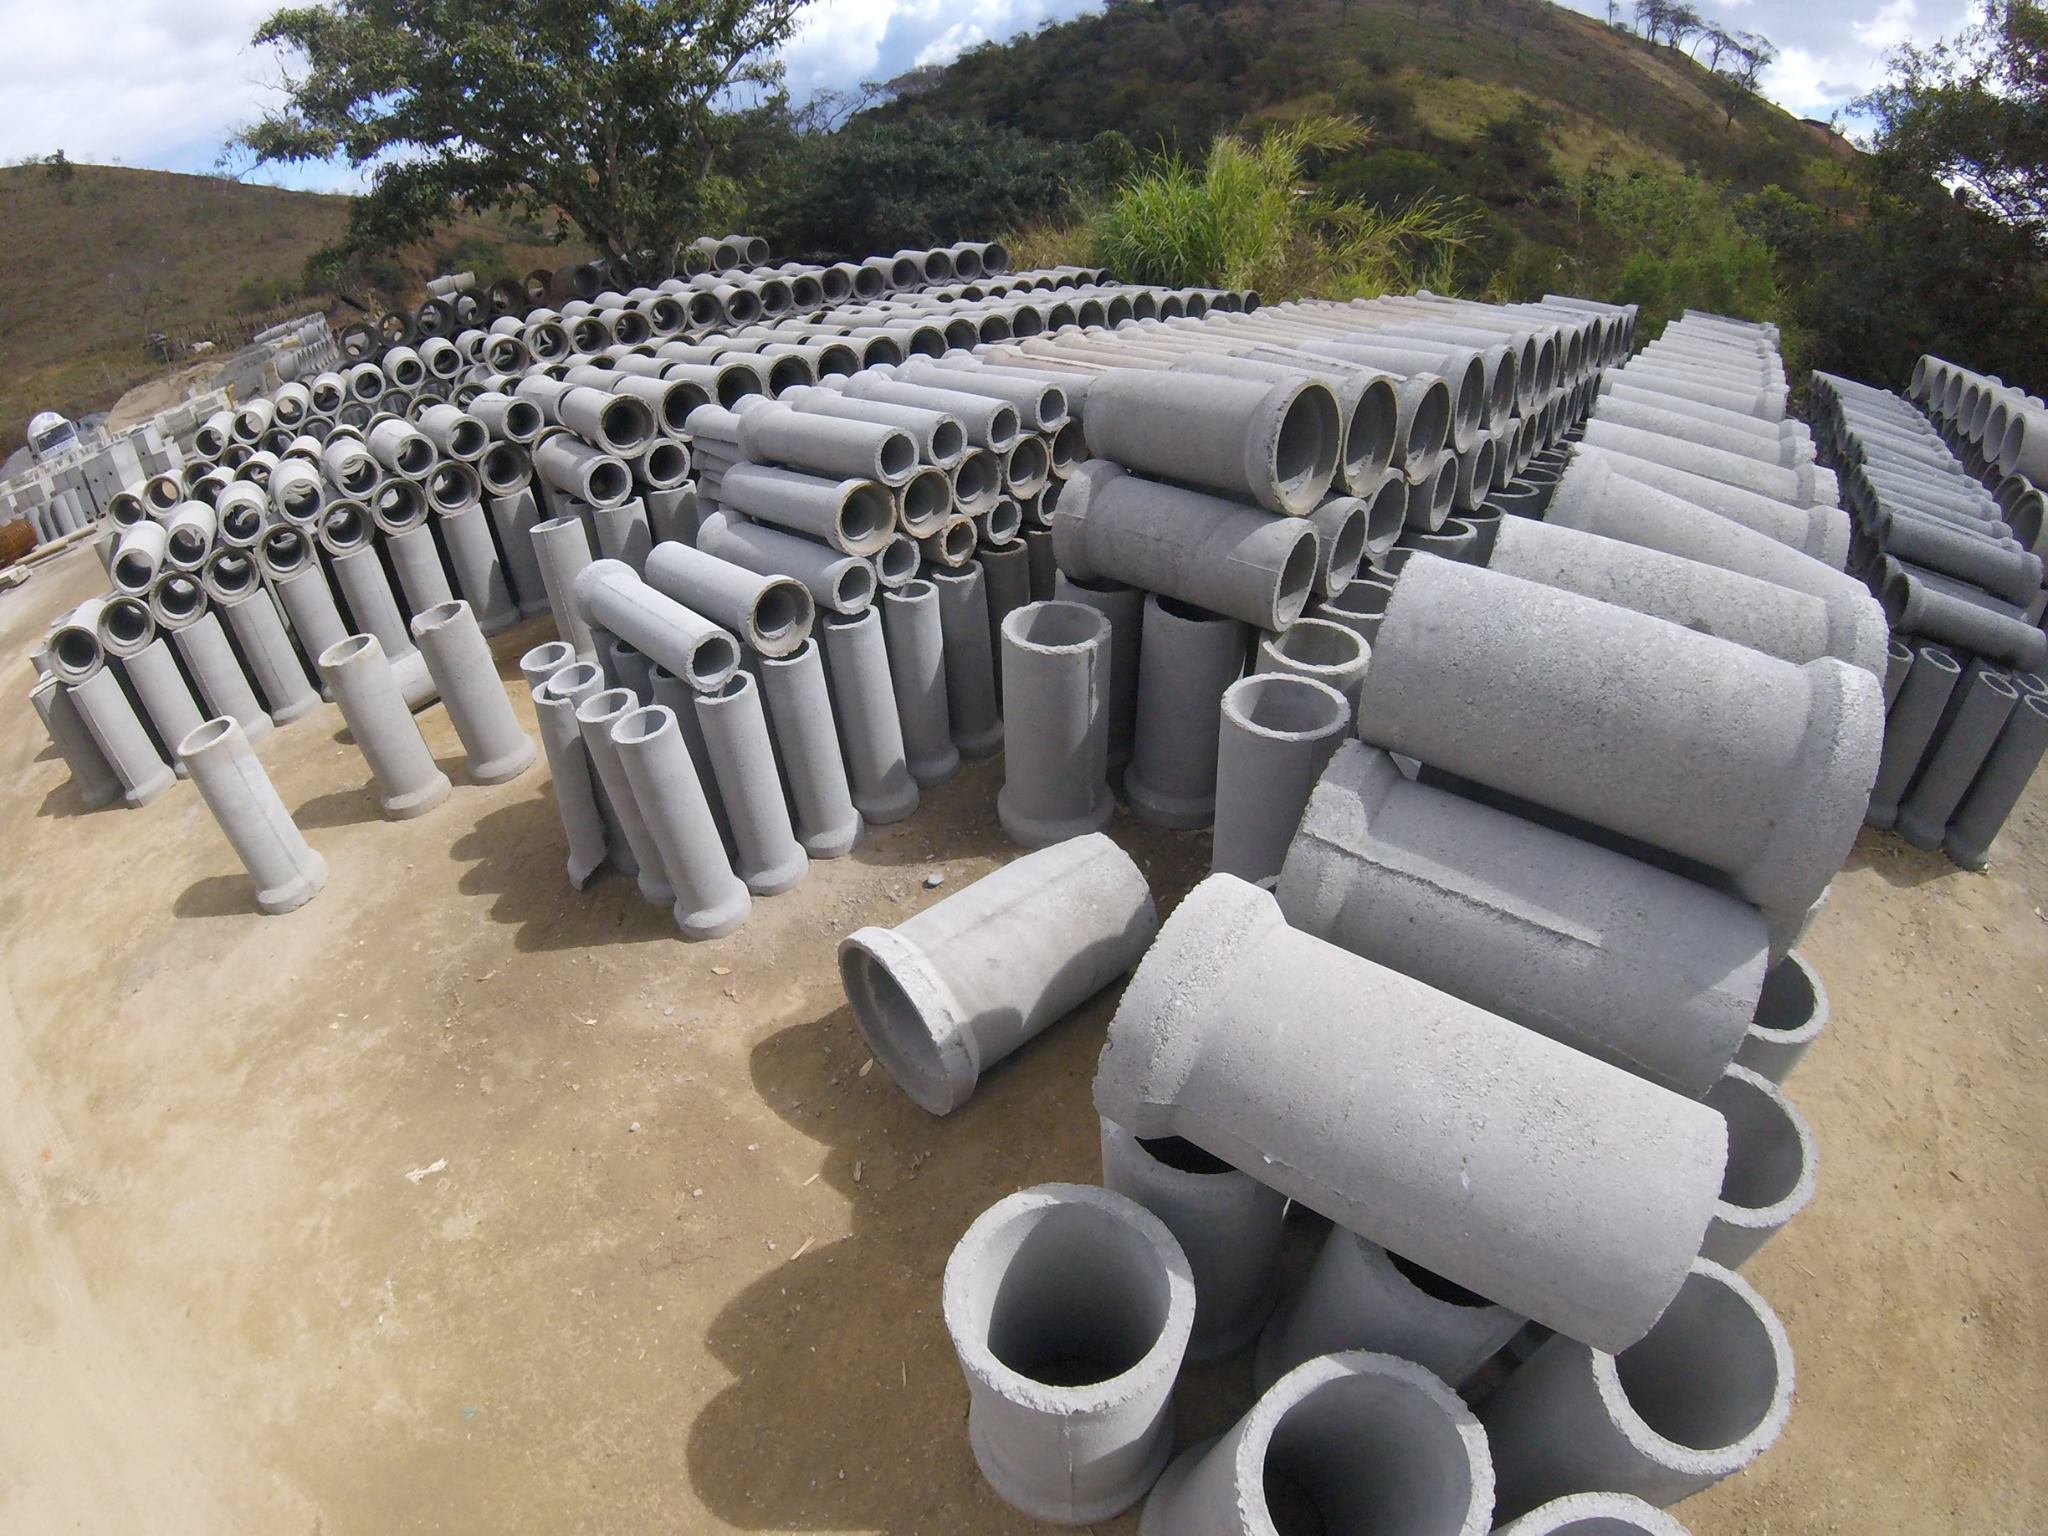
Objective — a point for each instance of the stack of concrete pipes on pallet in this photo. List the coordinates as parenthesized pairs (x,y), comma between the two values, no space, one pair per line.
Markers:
(1962,586)
(1495,971)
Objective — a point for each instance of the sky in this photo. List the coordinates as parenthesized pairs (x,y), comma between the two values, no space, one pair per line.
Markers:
(165,83)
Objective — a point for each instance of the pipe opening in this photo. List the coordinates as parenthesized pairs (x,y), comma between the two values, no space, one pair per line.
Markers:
(1181,1155)
(452,486)
(415,456)
(1368,1455)
(854,586)
(642,725)
(1083,1298)
(1297,578)
(399,504)
(608,483)
(231,575)
(781,607)
(1347,549)
(735,384)
(468,439)
(1706,1375)
(211,733)
(892,1024)
(714,657)
(1790,1000)
(178,597)
(1319,644)
(1766,1154)
(1056,626)
(437,616)
(1430,428)
(974,478)
(1281,704)
(344,651)
(1305,449)
(127,621)
(956,542)
(1002,522)
(1434,1285)
(1028,465)
(867,513)
(897,457)
(505,467)
(133,572)
(665,464)
(896,564)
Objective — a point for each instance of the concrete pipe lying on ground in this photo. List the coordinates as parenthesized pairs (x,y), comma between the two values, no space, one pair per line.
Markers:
(971,704)
(1277,734)
(990,424)
(1773,1166)
(917,671)
(807,746)
(634,851)
(870,729)
(1189,658)
(1701,1396)
(1348,1442)
(1055,688)
(1999,784)
(773,614)
(710,900)
(1560,1187)
(950,992)
(286,872)
(1594,1514)
(1639,967)
(408,782)
(703,655)
(1124,607)
(459,658)
(1273,442)
(1791,1012)
(568,465)
(767,855)
(1340,524)
(1069,1308)
(1981,704)
(941,439)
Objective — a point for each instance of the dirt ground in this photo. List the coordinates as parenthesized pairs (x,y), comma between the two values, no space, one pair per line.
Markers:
(461,1202)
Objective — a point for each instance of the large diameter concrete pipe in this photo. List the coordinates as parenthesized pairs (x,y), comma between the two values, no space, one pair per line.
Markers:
(807,745)
(159,686)
(1917,606)
(1190,656)
(855,517)
(459,658)
(971,704)
(1773,1166)
(1216,554)
(767,855)
(950,992)
(1366,406)
(1999,783)
(1348,1442)
(287,873)
(1055,690)
(606,592)
(1705,1393)
(870,730)
(1276,735)
(1069,1308)
(1273,442)
(1359,1296)
(1226,1222)
(1560,1187)
(773,614)
(836,582)
(1984,700)
(1749,765)
(710,900)
(123,740)
(408,782)
(917,671)
(1634,965)
(1594,1514)
(1915,714)
(374,611)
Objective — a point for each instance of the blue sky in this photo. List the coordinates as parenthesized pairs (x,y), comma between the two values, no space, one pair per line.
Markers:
(164,83)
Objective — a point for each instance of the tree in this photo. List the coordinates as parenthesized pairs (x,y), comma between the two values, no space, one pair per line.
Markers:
(607,115)
(1652,16)
(1972,112)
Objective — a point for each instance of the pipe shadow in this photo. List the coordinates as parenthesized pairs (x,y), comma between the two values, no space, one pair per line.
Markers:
(339,808)
(216,896)
(517,855)
(64,799)
(1897,862)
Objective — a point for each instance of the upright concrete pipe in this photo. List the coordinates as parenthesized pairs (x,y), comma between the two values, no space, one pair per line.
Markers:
(1315,648)
(286,872)
(1215,554)
(1056,668)
(839,583)
(299,582)
(607,593)
(870,730)
(1701,1396)
(416,561)
(1915,714)
(514,515)
(1750,765)
(223,687)
(1516,1167)
(710,900)
(478,571)
(767,855)
(1273,442)
(1983,701)
(1634,965)
(586,821)
(459,659)
(1053,1284)
(1124,607)
(1190,657)
(1773,1166)
(1999,783)
(1594,1514)
(774,614)
(807,745)
(635,850)
(94,779)
(123,741)
(1360,1297)
(374,611)
(260,635)
(408,782)
(561,547)
(971,704)
(1277,734)
(160,688)
(1348,1442)
(917,670)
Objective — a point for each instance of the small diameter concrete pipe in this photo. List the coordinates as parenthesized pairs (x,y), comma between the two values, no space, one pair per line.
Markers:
(917,670)
(1702,1396)
(1124,607)
(374,609)
(1998,785)
(299,581)
(1773,1166)
(1069,1308)
(408,781)
(607,593)
(1055,687)
(1359,1296)
(286,872)
(260,636)
(830,446)
(224,687)
(767,855)
(941,439)
(807,744)
(160,688)
(1983,701)
(586,820)
(96,782)
(138,557)
(773,614)
(623,534)
(416,560)
(856,517)
(478,571)
(710,900)
(1898,661)
(1341,525)
(953,990)
(1277,734)
(971,704)
(990,424)
(1348,1442)
(561,548)
(1226,1222)
(635,851)
(1916,605)
(1634,965)
(1216,554)
(75,650)
(1790,1015)
(1006,578)
(1190,656)
(124,741)
(1749,765)
(870,730)
(838,583)
(1315,648)
(1560,1187)
(514,516)
(1915,714)
(1273,442)
(460,660)
(1594,1514)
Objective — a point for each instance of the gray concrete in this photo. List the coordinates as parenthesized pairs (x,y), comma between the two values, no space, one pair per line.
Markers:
(951,991)
(1908,729)
(990,424)
(1701,1397)
(407,780)
(138,556)
(1341,525)
(607,593)
(1821,533)
(586,820)
(917,671)
(836,582)
(1641,968)
(1006,578)
(1898,661)
(624,534)
(1773,1166)
(223,686)
(1315,648)
(159,686)
(285,871)
(1760,440)
(93,777)
(1917,606)
(710,900)
(870,730)
(280,675)
(478,572)
(856,517)
(1791,1012)
(1056,667)
(1594,1514)
(2003,569)
(1999,783)
(596,714)
(1982,703)
(1272,442)
(75,651)
(807,745)
(625,666)
(1190,657)
(971,703)
(829,446)
(514,517)
(464,671)
(767,855)
(1277,734)
(1047,1281)
(416,560)
(1360,607)
(1349,1442)
(941,438)
(773,614)
(1124,607)
(1558,1186)
(125,627)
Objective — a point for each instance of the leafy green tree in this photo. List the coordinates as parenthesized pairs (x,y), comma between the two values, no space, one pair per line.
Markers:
(604,115)
(1678,245)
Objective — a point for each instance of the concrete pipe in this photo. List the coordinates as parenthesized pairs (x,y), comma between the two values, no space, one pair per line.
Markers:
(1999,783)
(1361,1297)
(1006,578)
(1361,607)
(94,778)
(1124,607)
(1277,735)
(544,661)
(674,514)
(125,626)
(478,572)
(1348,1442)
(401,449)
(768,856)
(925,503)
(1367,408)
(260,637)
(634,851)
(75,649)
(1917,604)
(586,818)
(773,614)
(509,417)
(1790,1015)
(624,534)
(574,468)
(1762,441)
(1315,648)
(917,671)
(941,439)
(1910,726)
(2004,570)
(452,486)
(963,984)
(514,516)
(1749,765)
(710,900)
(626,667)
(1275,443)
(1211,553)
(856,517)
(1638,967)
(1189,658)
(1766,403)
(1227,1223)
(1594,1514)
(416,560)
(870,730)
(408,782)
(971,704)
(561,547)
(1040,402)
(138,557)
(1773,1166)
(1558,1186)
(807,745)
(460,661)
(1982,703)
(287,873)
(189,535)
(827,446)
(396,506)
(1898,661)
(1341,525)
(223,687)
(839,583)
(159,686)
(989,424)
(344,527)
(374,611)
(454,433)
(124,742)
(1705,1393)
(1055,683)
(1607,485)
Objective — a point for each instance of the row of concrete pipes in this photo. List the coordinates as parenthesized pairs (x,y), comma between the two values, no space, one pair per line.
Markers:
(1494,969)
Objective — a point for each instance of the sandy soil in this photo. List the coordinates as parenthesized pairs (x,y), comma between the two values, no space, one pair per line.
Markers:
(461,1202)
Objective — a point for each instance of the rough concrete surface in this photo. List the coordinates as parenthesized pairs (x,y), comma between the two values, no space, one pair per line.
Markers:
(226,1307)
